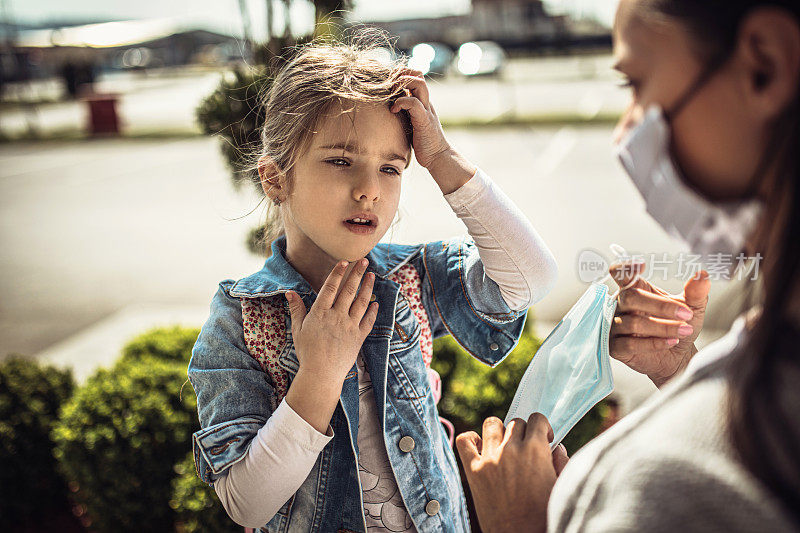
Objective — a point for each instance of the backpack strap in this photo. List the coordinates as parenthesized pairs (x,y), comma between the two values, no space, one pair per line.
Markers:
(264,321)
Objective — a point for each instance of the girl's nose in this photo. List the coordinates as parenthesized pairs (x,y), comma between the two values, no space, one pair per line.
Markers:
(367,188)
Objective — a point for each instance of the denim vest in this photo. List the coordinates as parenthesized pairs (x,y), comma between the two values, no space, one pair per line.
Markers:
(235,397)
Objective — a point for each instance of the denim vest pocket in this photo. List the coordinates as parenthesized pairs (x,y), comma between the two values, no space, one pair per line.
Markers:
(218,447)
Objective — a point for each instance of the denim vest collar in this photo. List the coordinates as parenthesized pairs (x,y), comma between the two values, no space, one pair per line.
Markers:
(277,276)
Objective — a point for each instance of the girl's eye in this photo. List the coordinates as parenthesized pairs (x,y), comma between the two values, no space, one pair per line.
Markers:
(338,162)
(390,170)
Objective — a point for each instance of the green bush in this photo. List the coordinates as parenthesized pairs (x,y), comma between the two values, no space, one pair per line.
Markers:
(472,391)
(166,343)
(31,490)
(196,504)
(118,440)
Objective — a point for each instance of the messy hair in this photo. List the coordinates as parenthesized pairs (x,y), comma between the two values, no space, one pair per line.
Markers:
(320,76)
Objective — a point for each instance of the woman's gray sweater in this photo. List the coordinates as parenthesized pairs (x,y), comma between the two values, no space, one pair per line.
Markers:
(669,466)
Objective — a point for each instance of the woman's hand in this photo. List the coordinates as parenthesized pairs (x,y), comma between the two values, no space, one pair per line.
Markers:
(653,331)
(327,340)
(448,168)
(511,472)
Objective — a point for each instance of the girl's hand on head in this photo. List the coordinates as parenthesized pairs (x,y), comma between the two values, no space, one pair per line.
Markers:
(328,337)
(429,141)
(653,332)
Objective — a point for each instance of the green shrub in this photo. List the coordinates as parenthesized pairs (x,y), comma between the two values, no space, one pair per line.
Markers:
(30,396)
(166,343)
(472,391)
(196,503)
(118,440)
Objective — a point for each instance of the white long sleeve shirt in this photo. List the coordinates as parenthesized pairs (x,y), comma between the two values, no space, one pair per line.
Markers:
(285,449)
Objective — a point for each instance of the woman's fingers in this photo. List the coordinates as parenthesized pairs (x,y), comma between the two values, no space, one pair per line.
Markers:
(538,428)
(643,301)
(648,326)
(327,294)
(469,447)
(349,288)
(492,433)
(361,302)
(560,458)
(625,348)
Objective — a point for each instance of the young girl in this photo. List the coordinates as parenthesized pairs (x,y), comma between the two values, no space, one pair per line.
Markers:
(312,375)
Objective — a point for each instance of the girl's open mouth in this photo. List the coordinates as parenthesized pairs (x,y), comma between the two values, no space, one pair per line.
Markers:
(362,225)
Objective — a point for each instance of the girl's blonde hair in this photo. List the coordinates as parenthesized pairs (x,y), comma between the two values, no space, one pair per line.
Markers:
(319,75)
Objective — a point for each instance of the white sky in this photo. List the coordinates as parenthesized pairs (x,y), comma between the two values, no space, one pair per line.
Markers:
(223,15)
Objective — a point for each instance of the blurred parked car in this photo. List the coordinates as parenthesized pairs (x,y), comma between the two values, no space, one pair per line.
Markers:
(480,58)
(432,59)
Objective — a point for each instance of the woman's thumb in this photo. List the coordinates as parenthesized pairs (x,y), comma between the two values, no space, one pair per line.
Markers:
(297,309)
(695,291)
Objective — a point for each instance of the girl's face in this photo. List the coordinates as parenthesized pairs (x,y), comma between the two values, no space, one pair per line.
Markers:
(352,169)
(719,137)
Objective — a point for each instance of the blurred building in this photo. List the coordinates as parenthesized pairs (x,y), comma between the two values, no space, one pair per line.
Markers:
(517,25)
(131,44)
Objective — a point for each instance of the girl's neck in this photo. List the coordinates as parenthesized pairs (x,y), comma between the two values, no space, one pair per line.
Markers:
(310,261)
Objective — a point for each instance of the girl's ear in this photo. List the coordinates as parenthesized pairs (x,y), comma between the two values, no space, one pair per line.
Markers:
(271,177)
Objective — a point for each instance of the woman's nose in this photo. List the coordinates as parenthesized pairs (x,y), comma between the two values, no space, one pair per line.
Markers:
(367,187)
(626,122)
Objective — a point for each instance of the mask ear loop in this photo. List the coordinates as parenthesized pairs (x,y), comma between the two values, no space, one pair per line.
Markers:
(621,254)
(626,287)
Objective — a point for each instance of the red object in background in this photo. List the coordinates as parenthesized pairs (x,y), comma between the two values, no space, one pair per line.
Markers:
(103,117)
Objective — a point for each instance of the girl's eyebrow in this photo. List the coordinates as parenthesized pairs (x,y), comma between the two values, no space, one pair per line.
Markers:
(354,149)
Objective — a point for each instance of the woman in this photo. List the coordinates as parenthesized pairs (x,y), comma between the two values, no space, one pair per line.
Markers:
(715,98)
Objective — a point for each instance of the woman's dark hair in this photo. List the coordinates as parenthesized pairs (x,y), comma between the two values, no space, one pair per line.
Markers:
(763,375)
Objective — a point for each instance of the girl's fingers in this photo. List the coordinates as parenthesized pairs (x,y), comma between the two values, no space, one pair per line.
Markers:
(418,88)
(361,303)
(648,326)
(369,319)
(660,306)
(350,288)
(625,348)
(297,310)
(413,72)
(413,106)
(327,294)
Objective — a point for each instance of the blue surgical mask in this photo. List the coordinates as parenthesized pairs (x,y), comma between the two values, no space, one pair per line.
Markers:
(571,371)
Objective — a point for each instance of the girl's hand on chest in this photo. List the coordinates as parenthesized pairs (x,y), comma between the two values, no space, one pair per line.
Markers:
(327,338)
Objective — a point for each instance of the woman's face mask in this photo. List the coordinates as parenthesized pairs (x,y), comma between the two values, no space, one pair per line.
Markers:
(706,228)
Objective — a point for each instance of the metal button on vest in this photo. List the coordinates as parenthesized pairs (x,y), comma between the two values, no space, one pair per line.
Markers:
(493,347)
(406,444)
(433,507)
(373,298)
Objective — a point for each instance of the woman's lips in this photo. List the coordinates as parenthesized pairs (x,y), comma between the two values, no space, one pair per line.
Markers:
(359,228)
